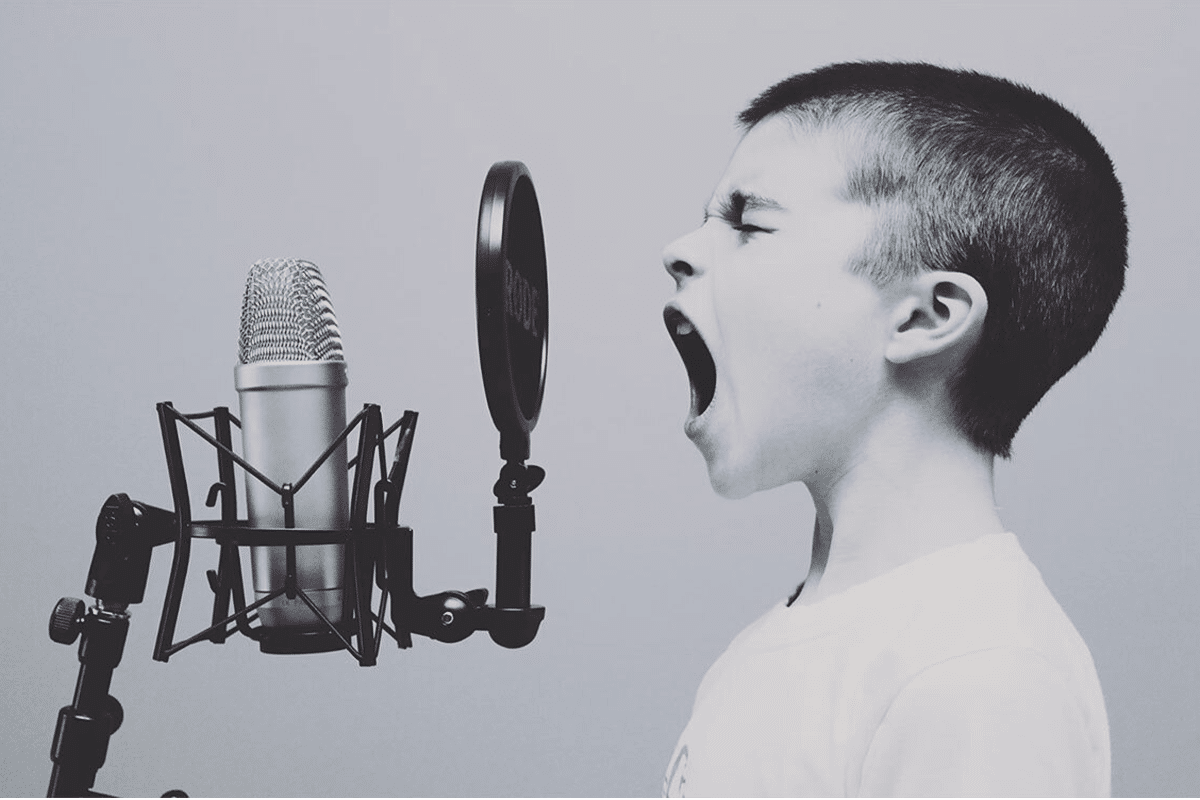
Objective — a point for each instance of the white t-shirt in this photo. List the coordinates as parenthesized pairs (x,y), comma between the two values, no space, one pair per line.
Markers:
(957,674)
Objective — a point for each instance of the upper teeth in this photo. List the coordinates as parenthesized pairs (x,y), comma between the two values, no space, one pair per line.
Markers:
(684,328)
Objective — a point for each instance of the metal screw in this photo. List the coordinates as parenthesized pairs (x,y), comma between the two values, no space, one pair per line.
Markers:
(447,617)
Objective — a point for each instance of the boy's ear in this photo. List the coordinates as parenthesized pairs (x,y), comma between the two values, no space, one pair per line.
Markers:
(937,312)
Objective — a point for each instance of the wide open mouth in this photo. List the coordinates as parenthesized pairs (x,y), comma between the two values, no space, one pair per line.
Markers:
(701,370)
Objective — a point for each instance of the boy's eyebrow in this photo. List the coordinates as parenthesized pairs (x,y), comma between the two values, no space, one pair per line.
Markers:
(731,207)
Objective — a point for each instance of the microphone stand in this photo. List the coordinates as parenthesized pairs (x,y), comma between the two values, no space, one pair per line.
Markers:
(126,533)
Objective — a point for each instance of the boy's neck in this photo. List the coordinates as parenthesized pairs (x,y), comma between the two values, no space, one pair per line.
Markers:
(911,490)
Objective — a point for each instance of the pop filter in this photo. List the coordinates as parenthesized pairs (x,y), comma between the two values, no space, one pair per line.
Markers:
(511,304)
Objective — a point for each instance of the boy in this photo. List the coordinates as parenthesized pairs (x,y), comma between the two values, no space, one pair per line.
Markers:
(897,264)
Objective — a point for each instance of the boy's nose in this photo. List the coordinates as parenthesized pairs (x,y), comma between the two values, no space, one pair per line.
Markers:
(680,258)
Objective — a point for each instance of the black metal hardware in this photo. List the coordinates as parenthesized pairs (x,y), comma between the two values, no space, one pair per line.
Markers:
(379,554)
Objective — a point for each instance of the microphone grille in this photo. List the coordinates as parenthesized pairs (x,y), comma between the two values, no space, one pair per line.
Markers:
(287,314)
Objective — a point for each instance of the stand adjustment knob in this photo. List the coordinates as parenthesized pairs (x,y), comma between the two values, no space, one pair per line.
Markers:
(67,620)
(115,713)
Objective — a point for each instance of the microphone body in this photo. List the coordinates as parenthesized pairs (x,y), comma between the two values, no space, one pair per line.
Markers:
(291,411)
(291,386)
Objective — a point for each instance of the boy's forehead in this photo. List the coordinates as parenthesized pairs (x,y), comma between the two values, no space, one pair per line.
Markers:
(783,162)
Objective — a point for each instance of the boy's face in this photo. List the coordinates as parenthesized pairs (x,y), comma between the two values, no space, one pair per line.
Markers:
(796,340)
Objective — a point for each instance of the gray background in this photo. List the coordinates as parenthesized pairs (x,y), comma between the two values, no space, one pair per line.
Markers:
(150,152)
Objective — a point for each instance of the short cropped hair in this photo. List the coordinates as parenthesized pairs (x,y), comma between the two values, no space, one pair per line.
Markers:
(976,174)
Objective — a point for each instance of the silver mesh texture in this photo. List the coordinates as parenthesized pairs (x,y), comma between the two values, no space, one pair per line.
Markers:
(287,314)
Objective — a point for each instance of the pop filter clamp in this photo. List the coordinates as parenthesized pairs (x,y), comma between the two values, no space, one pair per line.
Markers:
(512,314)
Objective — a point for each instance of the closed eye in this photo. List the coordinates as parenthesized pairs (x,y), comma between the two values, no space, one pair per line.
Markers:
(745,231)
(732,210)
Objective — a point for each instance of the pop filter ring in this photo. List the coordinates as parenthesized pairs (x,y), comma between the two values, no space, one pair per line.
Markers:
(511,303)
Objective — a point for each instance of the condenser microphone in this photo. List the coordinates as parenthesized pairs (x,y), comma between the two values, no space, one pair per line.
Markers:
(291,383)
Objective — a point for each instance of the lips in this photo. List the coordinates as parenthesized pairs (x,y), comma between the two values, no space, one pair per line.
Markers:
(701,370)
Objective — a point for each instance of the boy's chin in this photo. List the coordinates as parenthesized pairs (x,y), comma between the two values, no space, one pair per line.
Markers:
(734,479)
(732,484)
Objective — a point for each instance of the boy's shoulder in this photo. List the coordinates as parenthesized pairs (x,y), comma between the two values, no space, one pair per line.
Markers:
(973,598)
(981,614)
(818,681)
(984,675)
